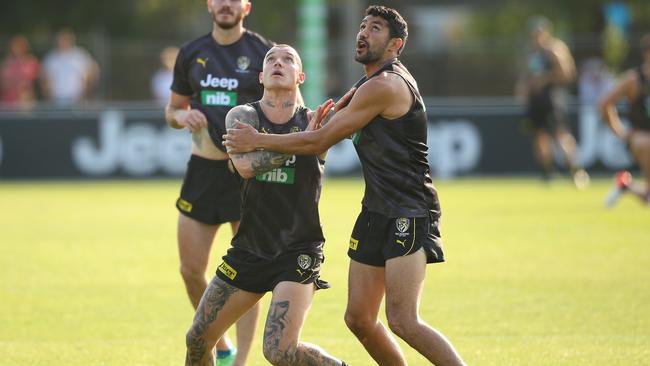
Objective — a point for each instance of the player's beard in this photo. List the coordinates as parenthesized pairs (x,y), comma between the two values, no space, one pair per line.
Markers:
(372,54)
(228,25)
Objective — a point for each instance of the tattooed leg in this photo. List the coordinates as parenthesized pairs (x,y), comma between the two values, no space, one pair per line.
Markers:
(283,325)
(220,306)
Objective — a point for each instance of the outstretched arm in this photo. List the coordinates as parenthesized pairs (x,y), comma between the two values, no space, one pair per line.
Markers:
(252,163)
(627,87)
(374,98)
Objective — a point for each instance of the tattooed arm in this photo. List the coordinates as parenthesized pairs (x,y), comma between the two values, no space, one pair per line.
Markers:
(255,162)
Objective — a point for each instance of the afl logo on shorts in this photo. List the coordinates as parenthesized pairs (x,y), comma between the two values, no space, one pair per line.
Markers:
(402,224)
(304,261)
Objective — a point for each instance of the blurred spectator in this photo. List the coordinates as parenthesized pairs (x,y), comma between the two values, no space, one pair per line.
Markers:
(542,86)
(161,81)
(595,80)
(18,73)
(69,71)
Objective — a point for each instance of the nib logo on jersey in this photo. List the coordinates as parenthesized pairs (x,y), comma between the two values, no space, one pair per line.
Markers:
(282,175)
(225,97)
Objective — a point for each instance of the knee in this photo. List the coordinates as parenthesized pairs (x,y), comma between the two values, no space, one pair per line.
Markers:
(358,323)
(404,325)
(195,343)
(275,356)
(192,273)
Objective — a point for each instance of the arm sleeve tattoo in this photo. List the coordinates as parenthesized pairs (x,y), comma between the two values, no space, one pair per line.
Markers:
(260,161)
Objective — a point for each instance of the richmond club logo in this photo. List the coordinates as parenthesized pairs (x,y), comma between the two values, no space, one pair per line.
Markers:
(304,261)
(243,62)
(402,224)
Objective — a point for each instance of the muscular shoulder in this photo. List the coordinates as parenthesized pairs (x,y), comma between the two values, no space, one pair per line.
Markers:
(559,49)
(385,84)
(389,90)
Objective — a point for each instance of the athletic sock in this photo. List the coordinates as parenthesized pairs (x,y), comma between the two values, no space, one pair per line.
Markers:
(226,353)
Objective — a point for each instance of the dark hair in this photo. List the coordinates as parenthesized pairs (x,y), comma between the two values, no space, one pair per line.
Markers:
(396,23)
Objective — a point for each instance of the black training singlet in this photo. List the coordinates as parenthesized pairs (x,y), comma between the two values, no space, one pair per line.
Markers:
(640,107)
(220,77)
(280,207)
(393,155)
(538,62)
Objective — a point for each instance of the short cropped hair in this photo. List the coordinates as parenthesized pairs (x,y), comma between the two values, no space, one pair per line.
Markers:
(396,23)
(282,45)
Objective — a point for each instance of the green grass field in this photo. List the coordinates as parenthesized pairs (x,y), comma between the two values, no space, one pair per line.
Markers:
(535,275)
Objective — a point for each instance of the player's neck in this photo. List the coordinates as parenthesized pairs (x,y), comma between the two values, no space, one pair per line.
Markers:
(226,37)
(279,105)
(373,67)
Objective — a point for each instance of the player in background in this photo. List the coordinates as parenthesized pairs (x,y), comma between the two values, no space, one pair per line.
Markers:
(279,245)
(634,86)
(396,233)
(542,86)
(212,74)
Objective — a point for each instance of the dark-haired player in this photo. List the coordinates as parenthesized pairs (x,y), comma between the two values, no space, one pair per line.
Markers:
(635,87)
(396,234)
(213,74)
(279,245)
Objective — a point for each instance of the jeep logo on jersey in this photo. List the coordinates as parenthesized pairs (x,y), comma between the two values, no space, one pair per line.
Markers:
(218,98)
(402,224)
(279,175)
(215,82)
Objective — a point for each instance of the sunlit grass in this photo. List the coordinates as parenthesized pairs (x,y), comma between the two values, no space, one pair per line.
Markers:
(535,275)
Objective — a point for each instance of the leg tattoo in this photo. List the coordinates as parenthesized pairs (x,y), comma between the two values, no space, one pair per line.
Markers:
(295,354)
(213,300)
(275,325)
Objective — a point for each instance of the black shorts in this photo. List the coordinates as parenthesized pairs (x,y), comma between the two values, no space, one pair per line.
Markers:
(546,110)
(377,238)
(210,193)
(248,272)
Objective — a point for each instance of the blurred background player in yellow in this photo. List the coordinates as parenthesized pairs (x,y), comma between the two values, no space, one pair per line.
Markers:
(634,86)
(542,87)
